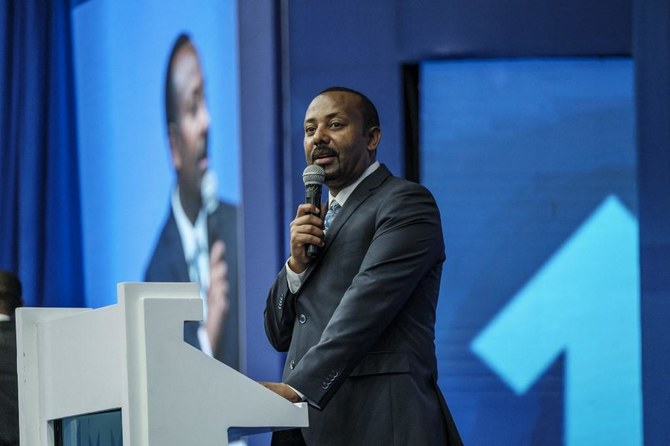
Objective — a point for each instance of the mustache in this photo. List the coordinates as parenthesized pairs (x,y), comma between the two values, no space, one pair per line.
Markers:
(322,152)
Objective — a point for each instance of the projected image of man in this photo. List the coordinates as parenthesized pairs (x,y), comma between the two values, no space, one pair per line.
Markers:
(198,241)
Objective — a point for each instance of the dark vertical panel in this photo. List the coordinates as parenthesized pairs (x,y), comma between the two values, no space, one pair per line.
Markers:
(652,57)
(411,108)
(261,169)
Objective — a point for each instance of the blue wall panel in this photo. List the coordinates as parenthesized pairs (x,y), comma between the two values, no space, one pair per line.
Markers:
(533,166)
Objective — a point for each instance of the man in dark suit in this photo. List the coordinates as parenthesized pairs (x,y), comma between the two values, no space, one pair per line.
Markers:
(358,320)
(10,300)
(198,242)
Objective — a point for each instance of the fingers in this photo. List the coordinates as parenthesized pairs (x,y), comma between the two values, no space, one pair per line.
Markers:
(305,229)
(219,287)
(218,275)
(217,252)
(283,390)
(217,293)
(308,220)
(307,209)
(307,234)
(218,269)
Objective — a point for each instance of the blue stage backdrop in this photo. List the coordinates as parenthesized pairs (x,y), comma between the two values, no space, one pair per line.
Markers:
(121,52)
(532,162)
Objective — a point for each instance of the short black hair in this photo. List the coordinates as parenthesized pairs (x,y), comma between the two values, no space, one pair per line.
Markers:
(170,95)
(11,292)
(368,109)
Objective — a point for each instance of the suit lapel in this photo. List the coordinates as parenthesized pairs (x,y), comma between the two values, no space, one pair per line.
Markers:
(362,192)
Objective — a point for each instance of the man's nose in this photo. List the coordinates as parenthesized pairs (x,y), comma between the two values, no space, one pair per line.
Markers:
(321,136)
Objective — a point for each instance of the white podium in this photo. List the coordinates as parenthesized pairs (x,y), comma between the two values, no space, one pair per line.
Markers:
(131,357)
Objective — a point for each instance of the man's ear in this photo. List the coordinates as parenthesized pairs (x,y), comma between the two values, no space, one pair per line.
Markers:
(374,136)
(174,140)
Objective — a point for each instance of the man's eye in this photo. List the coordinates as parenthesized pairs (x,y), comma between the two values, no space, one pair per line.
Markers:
(335,125)
(309,130)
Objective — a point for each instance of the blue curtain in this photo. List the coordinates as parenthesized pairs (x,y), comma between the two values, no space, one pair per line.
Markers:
(40,223)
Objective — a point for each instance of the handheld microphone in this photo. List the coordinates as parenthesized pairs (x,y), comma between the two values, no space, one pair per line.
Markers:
(313,176)
(210,203)
(208,187)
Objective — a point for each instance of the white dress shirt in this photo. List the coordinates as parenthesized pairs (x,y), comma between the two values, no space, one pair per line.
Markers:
(195,243)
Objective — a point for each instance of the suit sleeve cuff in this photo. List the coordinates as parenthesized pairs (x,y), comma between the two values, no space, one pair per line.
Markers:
(302,397)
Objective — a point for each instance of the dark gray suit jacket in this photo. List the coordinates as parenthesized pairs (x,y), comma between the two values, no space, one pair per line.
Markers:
(360,331)
(168,264)
(9,388)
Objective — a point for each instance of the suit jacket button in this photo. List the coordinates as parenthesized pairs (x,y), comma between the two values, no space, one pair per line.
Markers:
(302,319)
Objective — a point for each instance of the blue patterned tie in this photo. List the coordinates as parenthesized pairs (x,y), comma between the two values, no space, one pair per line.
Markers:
(333,209)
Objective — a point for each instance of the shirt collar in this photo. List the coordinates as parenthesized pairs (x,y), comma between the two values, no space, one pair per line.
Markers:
(343,195)
(192,236)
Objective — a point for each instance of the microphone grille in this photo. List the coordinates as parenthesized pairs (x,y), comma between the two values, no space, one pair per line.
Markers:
(208,187)
(313,174)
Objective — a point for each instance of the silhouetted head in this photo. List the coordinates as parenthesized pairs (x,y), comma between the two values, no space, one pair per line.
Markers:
(11,293)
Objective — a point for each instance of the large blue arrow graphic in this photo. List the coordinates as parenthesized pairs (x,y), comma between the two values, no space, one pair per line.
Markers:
(583,302)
